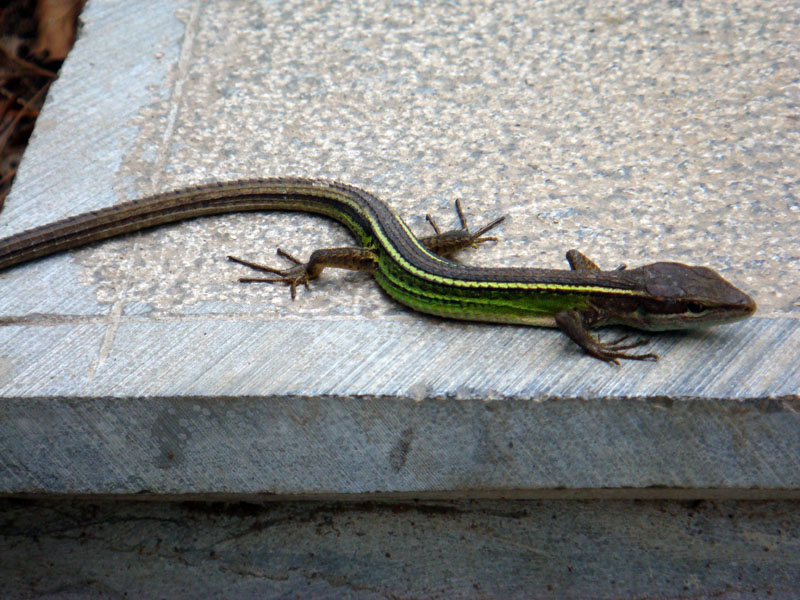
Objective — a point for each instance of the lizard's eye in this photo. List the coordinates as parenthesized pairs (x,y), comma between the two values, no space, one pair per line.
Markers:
(695,307)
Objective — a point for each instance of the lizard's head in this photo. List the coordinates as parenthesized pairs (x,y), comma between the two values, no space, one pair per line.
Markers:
(683,297)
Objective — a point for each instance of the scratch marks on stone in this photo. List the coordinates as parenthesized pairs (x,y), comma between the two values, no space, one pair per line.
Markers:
(176,96)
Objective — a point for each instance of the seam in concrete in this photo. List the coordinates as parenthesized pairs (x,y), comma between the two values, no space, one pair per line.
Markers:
(114,319)
(176,96)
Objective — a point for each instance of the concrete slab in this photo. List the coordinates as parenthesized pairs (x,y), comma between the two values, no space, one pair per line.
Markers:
(443,549)
(634,132)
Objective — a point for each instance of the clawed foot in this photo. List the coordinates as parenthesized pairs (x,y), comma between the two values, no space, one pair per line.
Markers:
(293,276)
(611,351)
(476,237)
(574,324)
(449,242)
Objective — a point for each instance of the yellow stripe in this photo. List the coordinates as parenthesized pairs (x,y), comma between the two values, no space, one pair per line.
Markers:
(462,283)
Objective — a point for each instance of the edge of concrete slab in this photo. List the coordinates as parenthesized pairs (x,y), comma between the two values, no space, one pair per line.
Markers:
(221,402)
(344,446)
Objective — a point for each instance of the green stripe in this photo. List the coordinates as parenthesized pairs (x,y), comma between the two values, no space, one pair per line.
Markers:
(389,247)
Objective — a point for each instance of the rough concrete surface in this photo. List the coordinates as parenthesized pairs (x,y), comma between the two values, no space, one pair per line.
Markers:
(456,549)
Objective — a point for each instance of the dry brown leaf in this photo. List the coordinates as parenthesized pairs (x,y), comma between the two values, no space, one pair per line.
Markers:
(56,33)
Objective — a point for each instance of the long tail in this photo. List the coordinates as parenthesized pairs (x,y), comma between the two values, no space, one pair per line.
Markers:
(307,195)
